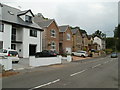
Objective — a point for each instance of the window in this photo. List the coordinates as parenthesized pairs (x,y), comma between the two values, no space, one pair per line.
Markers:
(1,27)
(53,33)
(33,33)
(68,36)
(13,34)
(28,18)
(53,45)
(13,46)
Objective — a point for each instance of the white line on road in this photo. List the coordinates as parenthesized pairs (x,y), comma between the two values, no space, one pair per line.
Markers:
(106,62)
(96,65)
(45,84)
(19,69)
(78,73)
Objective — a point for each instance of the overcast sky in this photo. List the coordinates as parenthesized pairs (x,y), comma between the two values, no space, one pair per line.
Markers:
(90,15)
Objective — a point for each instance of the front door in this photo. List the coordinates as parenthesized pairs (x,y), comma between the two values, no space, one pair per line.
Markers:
(32,50)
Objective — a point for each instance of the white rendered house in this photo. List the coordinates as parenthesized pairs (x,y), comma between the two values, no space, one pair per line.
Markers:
(100,42)
(18,31)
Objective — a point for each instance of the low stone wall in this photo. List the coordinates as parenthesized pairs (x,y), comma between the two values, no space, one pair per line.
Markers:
(44,61)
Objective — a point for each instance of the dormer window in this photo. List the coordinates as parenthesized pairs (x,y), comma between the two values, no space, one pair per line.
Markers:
(28,19)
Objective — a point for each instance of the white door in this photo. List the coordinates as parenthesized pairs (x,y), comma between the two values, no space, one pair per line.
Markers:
(68,50)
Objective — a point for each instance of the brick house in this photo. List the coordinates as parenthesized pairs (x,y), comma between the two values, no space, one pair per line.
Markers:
(50,38)
(77,39)
(85,41)
(65,39)
(90,42)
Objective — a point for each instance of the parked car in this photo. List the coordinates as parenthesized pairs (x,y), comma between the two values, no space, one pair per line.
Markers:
(46,53)
(114,55)
(93,50)
(10,53)
(80,53)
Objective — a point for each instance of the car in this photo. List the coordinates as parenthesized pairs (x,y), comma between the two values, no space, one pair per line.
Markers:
(114,55)
(10,53)
(46,53)
(80,53)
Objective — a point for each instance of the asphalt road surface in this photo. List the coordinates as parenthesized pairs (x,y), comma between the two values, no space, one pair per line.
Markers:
(95,73)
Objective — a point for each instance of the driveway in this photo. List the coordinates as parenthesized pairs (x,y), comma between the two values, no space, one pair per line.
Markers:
(22,64)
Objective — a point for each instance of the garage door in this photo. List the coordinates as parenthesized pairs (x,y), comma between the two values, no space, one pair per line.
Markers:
(68,50)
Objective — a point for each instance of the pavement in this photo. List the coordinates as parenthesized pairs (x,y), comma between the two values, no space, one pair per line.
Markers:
(24,62)
(91,73)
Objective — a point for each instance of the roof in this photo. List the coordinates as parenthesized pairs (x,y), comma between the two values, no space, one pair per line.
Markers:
(89,37)
(24,12)
(45,23)
(10,15)
(63,28)
(74,31)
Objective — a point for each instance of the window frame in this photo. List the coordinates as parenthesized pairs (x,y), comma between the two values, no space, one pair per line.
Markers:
(13,46)
(13,37)
(68,35)
(28,18)
(2,27)
(33,33)
(53,34)
(53,45)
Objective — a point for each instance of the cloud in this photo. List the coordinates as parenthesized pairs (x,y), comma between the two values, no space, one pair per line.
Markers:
(87,14)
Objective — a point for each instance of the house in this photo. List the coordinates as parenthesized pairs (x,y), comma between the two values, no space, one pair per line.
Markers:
(90,42)
(51,32)
(85,41)
(100,43)
(18,31)
(77,39)
(65,39)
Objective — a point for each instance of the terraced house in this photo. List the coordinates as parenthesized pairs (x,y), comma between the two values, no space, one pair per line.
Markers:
(51,32)
(77,39)
(65,36)
(18,31)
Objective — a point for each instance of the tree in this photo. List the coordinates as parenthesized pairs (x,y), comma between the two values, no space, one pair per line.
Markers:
(110,43)
(117,37)
(99,34)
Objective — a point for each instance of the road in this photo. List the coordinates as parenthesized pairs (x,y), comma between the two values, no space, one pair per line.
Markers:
(94,73)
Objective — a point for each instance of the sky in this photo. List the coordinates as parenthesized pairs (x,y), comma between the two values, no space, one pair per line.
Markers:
(90,15)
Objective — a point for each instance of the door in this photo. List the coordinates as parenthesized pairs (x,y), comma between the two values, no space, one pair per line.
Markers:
(32,50)
(1,44)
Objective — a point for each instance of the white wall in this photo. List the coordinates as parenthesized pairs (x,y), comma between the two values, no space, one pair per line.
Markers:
(98,41)
(27,39)
(7,36)
(44,61)
(1,36)
(19,33)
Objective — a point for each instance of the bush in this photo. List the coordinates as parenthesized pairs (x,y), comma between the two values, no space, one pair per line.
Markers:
(84,49)
(108,51)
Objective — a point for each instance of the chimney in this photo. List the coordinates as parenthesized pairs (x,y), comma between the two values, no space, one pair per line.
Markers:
(39,15)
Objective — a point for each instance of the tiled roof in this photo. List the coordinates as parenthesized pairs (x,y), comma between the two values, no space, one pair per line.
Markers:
(10,15)
(63,28)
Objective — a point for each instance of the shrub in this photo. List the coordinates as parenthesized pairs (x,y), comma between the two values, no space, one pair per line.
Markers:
(108,51)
